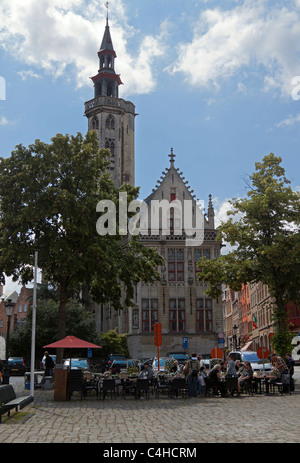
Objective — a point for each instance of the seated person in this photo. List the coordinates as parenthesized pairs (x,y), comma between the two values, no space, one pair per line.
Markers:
(147,372)
(240,367)
(216,377)
(247,375)
(175,367)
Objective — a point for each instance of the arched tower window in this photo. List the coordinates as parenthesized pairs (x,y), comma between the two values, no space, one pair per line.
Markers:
(110,145)
(110,122)
(95,123)
(112,148)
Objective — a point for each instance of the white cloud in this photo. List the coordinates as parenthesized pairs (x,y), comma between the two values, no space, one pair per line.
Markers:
(62,38)
(252,35)
(28,74)
(221,208)
(5,122)
(289,121)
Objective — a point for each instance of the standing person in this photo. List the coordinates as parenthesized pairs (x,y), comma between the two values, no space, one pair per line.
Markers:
(231,370)
(201,361)
(290,362)
(49,364)
(193,370)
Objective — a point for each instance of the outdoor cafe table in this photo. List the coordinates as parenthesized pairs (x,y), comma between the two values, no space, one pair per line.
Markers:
(260,379)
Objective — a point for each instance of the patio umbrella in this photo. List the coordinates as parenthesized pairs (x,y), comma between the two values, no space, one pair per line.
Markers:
(70,342)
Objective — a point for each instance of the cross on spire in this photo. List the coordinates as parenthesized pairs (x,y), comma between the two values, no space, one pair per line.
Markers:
(172,156)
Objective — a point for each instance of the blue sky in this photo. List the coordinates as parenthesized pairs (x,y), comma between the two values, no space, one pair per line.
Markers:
(217,81)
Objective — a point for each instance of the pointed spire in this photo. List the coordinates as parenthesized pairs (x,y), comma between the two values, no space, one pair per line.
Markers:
(210,209)
(172,156)
(106,43)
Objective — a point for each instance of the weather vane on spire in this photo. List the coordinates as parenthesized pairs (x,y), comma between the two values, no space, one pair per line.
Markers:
(106,4)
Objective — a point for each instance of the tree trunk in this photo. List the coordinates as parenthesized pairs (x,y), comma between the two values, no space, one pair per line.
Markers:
(62,317)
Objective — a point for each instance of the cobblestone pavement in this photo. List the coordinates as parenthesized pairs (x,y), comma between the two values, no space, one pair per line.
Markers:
(246,419)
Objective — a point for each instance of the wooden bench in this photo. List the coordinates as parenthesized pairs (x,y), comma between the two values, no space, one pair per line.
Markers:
(9,400)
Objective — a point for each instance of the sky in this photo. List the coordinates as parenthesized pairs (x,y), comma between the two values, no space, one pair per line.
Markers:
(217,81)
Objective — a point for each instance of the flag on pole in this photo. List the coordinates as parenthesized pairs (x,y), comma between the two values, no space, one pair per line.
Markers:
(254,321)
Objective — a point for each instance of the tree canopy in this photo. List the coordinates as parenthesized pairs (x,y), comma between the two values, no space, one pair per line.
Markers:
(48,198)
(263,231)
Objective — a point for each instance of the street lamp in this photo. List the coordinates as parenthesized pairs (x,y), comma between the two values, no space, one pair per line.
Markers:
(9,307)
(234,336)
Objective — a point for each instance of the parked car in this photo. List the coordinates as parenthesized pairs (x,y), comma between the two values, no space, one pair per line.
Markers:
(113,357)
(181,357)
(250,356)
(44,358)
(165,363)
(16,366)
(144,360)
(122,364)
(77,364)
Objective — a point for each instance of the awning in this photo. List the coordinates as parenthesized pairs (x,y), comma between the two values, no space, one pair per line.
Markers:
(247,346)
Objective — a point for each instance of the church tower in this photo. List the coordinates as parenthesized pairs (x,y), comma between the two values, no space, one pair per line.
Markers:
(112,117)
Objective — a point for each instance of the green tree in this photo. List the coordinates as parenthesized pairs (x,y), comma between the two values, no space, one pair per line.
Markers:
(265,240)
(48,198)
(113,343)
(80,323)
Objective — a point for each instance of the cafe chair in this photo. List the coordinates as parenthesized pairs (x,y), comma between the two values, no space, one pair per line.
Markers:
(75,383)
(247,386)
(128,387)
(162,385)
(232,385)
(178,386)
(142,386)
(108,385)
(211,386)
(90,385)
(284,385)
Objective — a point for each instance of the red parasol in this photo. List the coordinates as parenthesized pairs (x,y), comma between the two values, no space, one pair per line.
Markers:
(72,342)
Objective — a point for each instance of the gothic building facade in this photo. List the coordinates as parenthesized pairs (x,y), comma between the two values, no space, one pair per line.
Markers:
(190,320)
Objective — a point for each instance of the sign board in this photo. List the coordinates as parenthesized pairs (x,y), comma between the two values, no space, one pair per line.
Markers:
(221,341)
(262,353)
(90,352)
(157,334)
(185,342)
(220,335)
(216,353)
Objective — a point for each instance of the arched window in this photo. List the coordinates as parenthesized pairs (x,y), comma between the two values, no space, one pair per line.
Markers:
(112,148)
(110,122)
(95,123)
